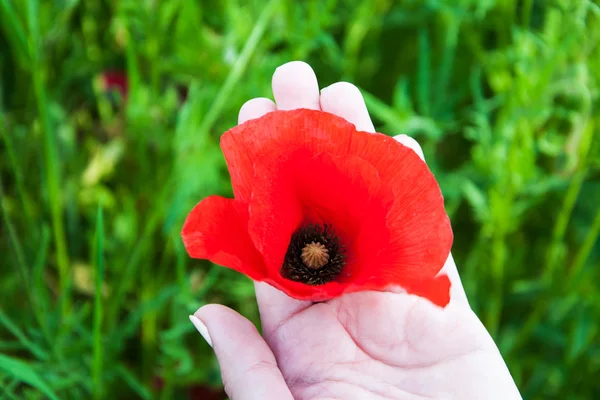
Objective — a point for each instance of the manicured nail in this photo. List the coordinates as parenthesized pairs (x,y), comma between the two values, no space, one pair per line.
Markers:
(201,329)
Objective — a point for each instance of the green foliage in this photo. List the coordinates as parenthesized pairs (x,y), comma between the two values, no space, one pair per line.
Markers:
(502,95)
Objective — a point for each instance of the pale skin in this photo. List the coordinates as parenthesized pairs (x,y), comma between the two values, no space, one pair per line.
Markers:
(367,345)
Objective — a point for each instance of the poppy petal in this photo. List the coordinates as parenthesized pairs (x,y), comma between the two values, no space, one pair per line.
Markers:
(346,193)
(283,132)
(421,235)
(341,191)
(274,210)
(301,291)
(421,232)
(437,290)
(217,230)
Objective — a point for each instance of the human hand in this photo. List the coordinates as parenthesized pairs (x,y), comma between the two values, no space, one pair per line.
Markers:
(364,345)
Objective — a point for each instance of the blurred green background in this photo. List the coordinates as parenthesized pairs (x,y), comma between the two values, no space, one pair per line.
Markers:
(111,112)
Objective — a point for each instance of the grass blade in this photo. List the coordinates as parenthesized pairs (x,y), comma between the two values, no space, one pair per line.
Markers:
(586,248)
(133,382)
(98,306)
(38,286)
(23,372)
(24,340)
(18,249)
(51,160)
(18,173)
(239,67)
(14,27)
(424,73)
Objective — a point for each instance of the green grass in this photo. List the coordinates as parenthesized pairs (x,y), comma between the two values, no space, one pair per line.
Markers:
(97,375)
(96,286)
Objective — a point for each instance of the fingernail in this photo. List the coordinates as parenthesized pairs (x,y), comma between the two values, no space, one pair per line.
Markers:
(201,329)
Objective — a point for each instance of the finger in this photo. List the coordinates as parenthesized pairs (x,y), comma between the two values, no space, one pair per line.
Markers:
(295,86)
(411,143)
(248,367)
(457,291)
(255,108)
(275,307)
(345,100)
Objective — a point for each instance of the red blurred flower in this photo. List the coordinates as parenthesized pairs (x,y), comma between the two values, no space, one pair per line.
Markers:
(115,80)
(118,81)
(321,209)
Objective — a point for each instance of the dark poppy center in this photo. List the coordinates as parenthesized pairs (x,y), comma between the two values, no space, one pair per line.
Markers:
(315,256)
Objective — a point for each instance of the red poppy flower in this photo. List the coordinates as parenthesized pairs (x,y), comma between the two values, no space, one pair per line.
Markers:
(321,209)
(115,80)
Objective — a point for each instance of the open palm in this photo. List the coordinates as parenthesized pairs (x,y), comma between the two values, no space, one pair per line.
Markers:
(366,345)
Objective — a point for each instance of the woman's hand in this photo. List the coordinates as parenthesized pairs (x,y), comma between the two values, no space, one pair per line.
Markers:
(366,345)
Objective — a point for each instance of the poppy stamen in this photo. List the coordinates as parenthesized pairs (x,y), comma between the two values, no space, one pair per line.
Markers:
(314,256)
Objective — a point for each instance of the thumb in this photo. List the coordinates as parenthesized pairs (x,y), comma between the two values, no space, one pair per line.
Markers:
(248,366)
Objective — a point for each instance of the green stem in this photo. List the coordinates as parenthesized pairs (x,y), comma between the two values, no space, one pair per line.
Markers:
(562,222)
(497,300)
(526,13)
(423,73)
(452,28)
(9,14)
(149,322)
(180,264)
(238,68)
(98,307)
(585,132)
(18,177)
(51,163)
(38,286)
(16,244)
(586,248)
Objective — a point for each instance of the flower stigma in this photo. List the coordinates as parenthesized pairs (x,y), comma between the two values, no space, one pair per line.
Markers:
(314,256)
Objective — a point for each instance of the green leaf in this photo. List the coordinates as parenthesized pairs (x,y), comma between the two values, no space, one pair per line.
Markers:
(23,339)
(476,198)
(24,373)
